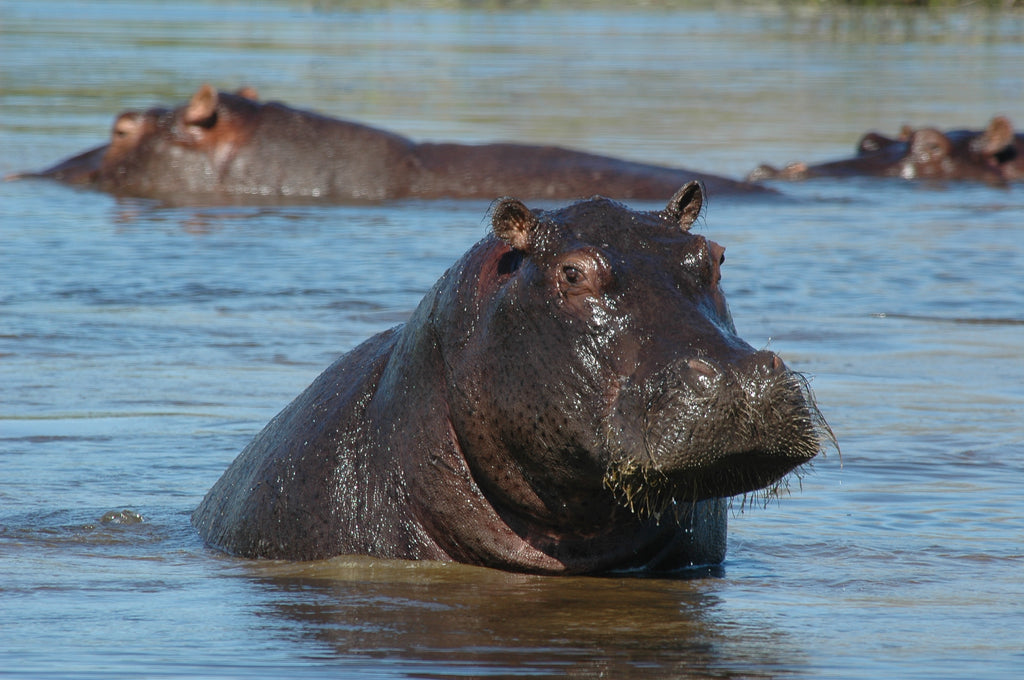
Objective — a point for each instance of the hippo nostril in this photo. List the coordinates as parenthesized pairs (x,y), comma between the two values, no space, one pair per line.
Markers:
(767,361)
(761,362)
(702,367)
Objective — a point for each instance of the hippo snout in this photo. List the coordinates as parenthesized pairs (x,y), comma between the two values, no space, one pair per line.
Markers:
(703,428)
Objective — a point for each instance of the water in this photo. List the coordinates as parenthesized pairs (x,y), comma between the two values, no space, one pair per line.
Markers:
(141,347)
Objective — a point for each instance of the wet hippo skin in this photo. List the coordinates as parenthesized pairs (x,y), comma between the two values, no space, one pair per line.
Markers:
(231,147)
(570,397)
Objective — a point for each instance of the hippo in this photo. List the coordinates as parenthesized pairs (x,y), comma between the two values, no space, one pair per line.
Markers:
(994,155)
(571,397)
(230,147)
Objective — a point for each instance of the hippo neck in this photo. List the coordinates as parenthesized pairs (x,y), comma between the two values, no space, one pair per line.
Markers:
(444,499)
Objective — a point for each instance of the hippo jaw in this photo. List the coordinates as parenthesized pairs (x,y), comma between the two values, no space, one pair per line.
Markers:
(697,433)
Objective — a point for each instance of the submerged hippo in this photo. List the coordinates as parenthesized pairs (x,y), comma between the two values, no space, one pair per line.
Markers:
(230,147)
(570,397)
(994,155)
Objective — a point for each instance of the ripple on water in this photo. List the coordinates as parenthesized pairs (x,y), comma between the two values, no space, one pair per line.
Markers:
(142,346)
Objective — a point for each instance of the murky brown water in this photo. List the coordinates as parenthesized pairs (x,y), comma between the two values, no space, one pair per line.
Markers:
(141,347)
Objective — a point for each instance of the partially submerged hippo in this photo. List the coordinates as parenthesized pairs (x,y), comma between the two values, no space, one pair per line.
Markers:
(570,397)
(230,147)
(994,155)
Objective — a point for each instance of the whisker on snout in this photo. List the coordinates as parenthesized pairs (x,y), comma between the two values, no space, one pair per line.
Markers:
(726,435)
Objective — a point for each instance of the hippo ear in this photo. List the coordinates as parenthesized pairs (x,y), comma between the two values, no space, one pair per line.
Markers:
(249,92)
(202,108)
(996,137)
(685,206)
(514,223)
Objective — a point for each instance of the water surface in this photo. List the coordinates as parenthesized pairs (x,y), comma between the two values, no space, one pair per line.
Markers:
(141,347)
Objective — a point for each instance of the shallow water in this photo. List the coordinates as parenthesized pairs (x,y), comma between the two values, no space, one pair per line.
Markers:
(141,346)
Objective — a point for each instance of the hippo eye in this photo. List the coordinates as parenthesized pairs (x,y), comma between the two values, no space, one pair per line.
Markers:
(125,125)
(572,275)
(583,273)
(703,266)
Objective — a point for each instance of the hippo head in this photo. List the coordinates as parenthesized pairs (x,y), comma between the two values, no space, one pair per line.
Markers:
(927,153)
(924,153)
(177,150)
(162,151)
(604,363)
(987,155)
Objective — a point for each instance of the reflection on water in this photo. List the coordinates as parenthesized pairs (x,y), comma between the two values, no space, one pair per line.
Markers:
(141,347)
(455,619)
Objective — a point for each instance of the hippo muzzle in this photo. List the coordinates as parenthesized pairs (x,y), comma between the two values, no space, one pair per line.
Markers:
(701,429)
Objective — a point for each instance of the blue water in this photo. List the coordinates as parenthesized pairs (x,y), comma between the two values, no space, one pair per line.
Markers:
(141,346)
